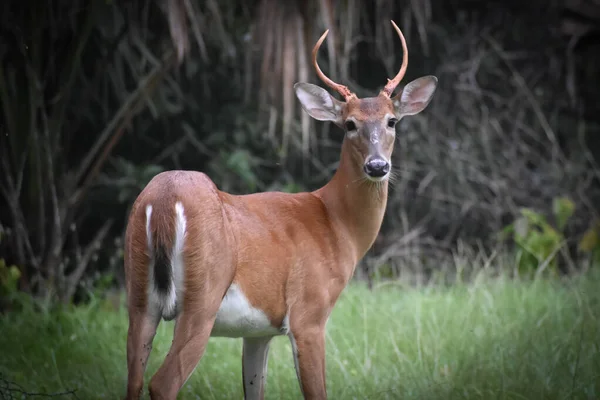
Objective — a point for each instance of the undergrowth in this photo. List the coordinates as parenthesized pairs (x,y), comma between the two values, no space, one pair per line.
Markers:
(497,338)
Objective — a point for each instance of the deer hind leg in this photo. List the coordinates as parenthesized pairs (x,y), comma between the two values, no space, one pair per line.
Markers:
(192,331)
(142,328)
(254,366)
(144,317)
(207,279)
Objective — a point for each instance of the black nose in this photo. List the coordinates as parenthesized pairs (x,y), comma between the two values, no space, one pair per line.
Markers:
(377,167)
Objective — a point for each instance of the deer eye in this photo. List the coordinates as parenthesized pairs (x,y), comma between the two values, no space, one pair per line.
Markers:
(392,122)
(350,126)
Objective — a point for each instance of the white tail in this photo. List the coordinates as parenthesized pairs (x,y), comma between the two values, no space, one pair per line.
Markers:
(265,264)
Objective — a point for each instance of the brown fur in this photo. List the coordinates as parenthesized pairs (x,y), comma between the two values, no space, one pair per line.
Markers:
(373,108)
(289,253)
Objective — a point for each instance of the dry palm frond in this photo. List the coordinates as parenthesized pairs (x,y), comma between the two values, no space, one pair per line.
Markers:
(278,34)
(385,40)
(178,13)
(284,33)
(177,16)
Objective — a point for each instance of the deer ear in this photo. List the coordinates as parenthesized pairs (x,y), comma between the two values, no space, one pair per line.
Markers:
(415,96)
(318,103)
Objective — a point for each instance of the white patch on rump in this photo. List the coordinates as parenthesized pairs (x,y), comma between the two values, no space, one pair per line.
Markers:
(238,318)
(155,305)
(161,304)
(177,265)
(148,232)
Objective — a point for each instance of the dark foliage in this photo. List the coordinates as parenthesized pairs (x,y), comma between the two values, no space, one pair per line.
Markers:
(96,100)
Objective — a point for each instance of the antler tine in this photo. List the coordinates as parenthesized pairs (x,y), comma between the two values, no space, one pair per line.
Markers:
(341,89)
(391,85)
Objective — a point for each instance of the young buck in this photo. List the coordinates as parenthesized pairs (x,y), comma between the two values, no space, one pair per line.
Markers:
(264,264)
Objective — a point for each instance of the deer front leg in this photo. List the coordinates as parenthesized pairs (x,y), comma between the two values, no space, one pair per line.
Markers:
(308,346)
(254,367)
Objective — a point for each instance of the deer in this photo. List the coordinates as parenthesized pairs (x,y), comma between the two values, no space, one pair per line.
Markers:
(260,265)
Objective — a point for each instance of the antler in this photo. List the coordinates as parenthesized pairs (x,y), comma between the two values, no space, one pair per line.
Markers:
(391,85)
(341,89)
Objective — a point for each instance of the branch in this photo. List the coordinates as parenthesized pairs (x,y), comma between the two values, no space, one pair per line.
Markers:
(537,109)
(189,8)
(58,210)
(145,87)
(91,249)
(70,73)
(20,226)
(12,391)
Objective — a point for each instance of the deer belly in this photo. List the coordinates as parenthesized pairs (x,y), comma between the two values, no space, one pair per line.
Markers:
(238,318)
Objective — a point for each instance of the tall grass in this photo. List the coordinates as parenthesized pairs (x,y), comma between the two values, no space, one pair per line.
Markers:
(497,339)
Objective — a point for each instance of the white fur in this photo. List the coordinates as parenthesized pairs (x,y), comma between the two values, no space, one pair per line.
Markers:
(159,303)
(148,232)
(285,325)
(254,366)
(237,318)
(177,266)
(155,305)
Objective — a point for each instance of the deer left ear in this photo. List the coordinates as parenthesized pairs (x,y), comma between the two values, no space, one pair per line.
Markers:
(415,96)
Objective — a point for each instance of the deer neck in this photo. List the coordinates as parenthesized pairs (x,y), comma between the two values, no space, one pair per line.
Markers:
(355,204)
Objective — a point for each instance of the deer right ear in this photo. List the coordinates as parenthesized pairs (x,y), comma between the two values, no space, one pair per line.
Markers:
(318,103)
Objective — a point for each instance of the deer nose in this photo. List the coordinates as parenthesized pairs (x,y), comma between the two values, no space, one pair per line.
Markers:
(376,167)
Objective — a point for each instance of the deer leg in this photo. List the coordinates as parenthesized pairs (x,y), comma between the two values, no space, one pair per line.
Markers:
(192,331)
(142,328)
(254,367)
(308,346)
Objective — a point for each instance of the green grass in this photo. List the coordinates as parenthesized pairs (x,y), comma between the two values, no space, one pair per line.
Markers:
(494,340)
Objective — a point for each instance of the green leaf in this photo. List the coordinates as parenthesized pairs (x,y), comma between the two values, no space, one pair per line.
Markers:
(590,239)
(563,209)
(506,232)
(292,188)
(521,227)
(533,217)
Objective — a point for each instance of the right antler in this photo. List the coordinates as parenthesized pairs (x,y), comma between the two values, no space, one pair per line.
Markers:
(341,89)
(392,83)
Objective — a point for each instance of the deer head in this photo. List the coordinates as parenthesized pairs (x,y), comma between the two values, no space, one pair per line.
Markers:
(369,122)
